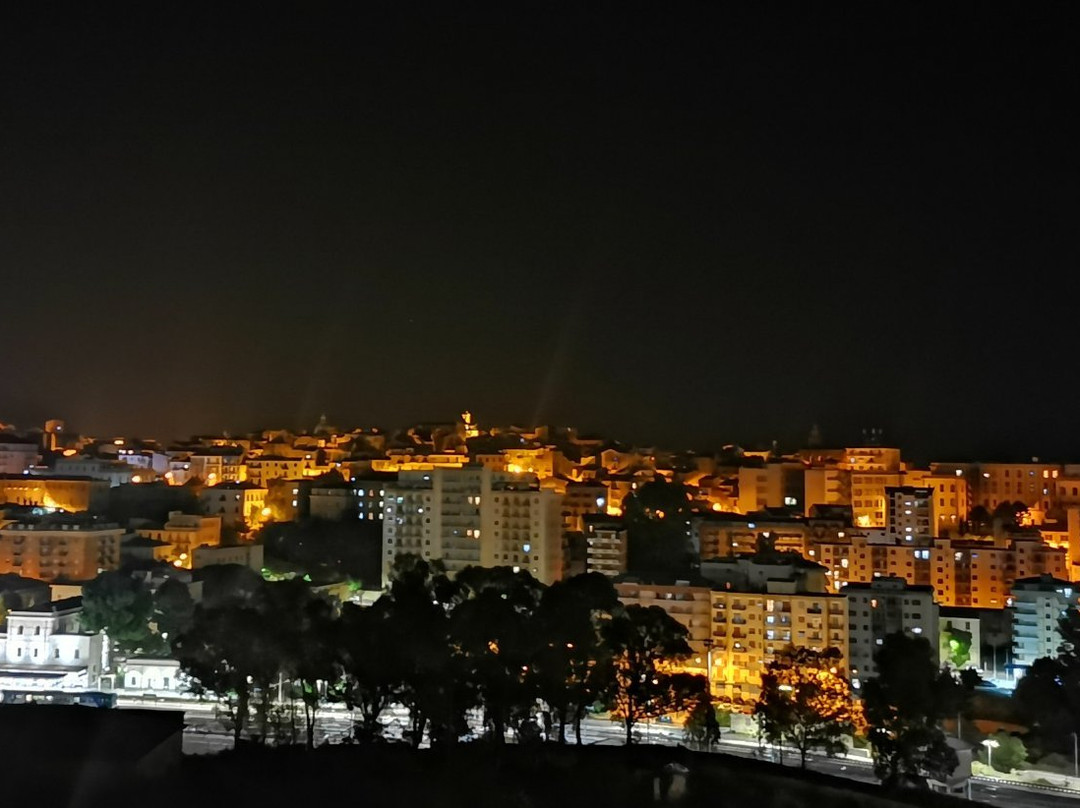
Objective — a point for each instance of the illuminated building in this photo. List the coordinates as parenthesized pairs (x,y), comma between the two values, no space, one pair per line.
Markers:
(60,493)
(580,500)
(826,486)
(1038,604)
(112,471)
(240,505)
(183,533)
(261,470)
(969,573)
(472,516)
(690,604)
(44,647)
(416,461)
(749,628)
(17,454)
(245,554)
(60,548)
(884,606)
(212,464)
(606,545)
(952,501)
(521,527)
(53,434)
(909,513)
(773,485)
(717,535)
(1029,483)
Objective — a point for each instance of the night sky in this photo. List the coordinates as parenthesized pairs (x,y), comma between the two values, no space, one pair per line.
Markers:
(668,224)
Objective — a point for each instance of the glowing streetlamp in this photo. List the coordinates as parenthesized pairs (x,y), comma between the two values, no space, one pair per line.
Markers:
(990,745)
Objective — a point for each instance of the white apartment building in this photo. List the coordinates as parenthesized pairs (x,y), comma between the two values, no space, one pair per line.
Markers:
(472,516)
(886,605)
(44,647)
(1038,604)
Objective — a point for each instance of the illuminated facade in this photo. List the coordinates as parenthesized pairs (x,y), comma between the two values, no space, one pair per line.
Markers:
(45,648)
(68,549)
(183,533)
(261,470)
(749,628)
(239,505)
(472,516)
(909,513)
(71,494)
(581,500)
(773,485)
(690,605)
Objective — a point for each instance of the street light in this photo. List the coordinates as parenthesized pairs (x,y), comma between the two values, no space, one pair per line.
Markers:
(1076,757)
(990,745)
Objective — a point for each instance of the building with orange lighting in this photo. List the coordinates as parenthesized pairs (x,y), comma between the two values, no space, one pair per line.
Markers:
(71,494)
(67,548)
(183,532)
(239,505)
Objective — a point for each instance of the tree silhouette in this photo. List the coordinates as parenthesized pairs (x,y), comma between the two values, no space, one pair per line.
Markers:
(805,701)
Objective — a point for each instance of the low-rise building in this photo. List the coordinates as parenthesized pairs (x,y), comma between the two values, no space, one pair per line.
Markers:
(71,494)
(17,454)
(45,647)
(239,505)
(245,554)
(183,532)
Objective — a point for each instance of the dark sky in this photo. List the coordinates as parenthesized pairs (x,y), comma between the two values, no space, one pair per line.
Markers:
(660,221)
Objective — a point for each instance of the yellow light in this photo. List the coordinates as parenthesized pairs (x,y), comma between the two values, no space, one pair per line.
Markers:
(136,479)
(183,556)
(178,563)
(69,452)
(118,442)
(717,506)
(265,511)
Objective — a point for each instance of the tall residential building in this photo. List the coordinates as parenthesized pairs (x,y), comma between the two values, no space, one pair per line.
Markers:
(1038,604)
(886,606)
(183,533)
(60,548)
(909,513)
(749,628)
(472,516)
(606,545)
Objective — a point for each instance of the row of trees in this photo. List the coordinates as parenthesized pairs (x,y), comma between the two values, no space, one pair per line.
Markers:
(491,640)
(806,703)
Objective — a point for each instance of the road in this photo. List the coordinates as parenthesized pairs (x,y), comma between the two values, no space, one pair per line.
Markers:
(204,734)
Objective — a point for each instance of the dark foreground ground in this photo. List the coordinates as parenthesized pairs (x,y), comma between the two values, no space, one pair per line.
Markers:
(478,776)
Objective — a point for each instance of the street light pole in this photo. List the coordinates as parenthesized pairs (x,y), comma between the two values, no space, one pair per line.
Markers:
(1076,757)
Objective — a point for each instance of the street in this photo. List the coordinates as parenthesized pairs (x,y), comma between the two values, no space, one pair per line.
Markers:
(204,734)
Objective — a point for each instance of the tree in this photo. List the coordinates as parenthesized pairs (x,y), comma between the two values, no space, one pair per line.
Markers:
(121,606)
(805,701)
(371,663)
(230,652)
(174,610)
(904,705)
(1010,753)
(955,645)
(644,642)
(702,727)
(490,630)
(432,686)
(567,662)
(657,517)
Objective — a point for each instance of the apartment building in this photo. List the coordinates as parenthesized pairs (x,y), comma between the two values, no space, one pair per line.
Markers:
(44,647)
(68,548)
(606,545)
(886,605)
(473,516)
(1039,602)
